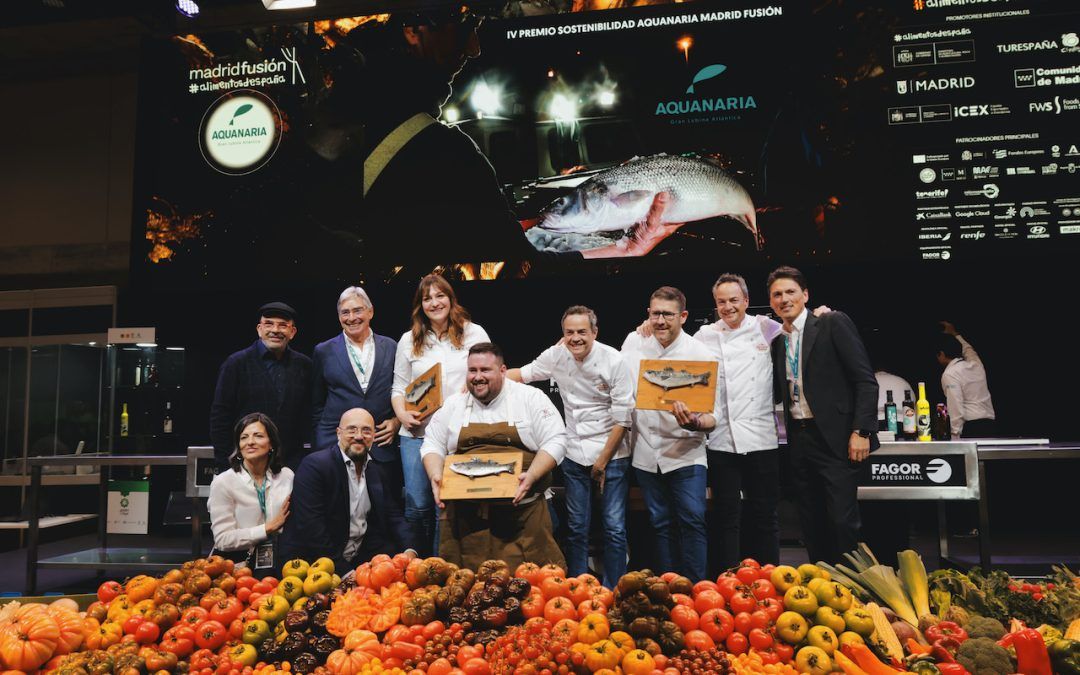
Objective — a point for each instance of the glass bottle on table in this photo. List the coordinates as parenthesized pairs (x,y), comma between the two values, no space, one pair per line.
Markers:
(890,413)
(922,415)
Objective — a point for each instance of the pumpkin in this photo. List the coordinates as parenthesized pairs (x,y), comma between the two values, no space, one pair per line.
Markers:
(72,628)
(346,662)
(29,642)
(602,655)
(638,662)
(140,588)
(417,610)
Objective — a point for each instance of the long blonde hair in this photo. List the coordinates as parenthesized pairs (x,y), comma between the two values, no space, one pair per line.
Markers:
(420,322)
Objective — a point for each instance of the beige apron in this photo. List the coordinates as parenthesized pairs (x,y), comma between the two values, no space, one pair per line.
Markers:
(473,531)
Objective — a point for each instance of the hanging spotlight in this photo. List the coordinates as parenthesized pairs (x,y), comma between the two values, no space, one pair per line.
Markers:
(188,8)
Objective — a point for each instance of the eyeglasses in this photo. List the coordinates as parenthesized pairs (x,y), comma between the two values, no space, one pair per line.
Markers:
(667,316)
(354,430)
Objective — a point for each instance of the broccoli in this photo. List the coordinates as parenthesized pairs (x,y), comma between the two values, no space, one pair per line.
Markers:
(983,656)
(983,627)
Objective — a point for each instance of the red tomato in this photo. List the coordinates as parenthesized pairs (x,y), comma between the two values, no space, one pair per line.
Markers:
(766,571)
(750,562)
(703,585)
(768,656)
(396,632)
(686,618)
(132,624)
(273,581)
(759,619)
(736,643)
(465,652)
(727,586)
(759,639)
(193,616)
(747,575)
(236,629)
(743,622)
(682,599)
(784,651)
(743,601)
(763,588)
(109,590)
(406,651)
(476,666)
(555,587)
(262,588)
(246,581)
(226,611)
(243,594)
(717,623)
(706,600)
(147,632)
(210,634)
(699,640)
(773,607)
(440,667)
(434,629)
(178,642)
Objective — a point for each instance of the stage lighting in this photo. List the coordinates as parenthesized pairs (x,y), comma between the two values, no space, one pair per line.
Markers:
(188,8)
(287,4)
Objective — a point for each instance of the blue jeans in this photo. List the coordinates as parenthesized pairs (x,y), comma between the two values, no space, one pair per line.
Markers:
(579,490)
(676,505)
(419,501)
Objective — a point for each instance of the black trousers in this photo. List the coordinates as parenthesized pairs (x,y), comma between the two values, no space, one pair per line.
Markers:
(757,476)
(984,428)
(826,492)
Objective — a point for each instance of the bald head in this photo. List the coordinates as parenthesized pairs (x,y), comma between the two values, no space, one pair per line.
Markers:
(356,432)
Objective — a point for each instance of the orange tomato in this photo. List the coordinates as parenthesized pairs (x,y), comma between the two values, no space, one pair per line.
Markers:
(558,608)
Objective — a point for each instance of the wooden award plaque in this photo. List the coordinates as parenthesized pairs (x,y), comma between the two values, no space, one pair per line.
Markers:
(424,394)
(661,382)
(496,475)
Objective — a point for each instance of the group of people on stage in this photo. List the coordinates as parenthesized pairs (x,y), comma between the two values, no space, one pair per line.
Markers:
(359,493)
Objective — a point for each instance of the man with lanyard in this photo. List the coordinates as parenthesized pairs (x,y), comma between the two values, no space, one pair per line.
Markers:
(598,394)
(744,457)
(496,415)
(355,369)
(668,448)
(822,374)
(268,377)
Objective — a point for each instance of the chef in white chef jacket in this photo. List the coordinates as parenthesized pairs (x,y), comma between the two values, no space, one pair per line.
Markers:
(668,448)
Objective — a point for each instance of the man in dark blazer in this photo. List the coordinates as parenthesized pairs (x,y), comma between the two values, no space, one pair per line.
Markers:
(355,369)
(345,504)
(822,374)
(268,377)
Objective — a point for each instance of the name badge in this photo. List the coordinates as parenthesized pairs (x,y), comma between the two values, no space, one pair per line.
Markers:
(264,556)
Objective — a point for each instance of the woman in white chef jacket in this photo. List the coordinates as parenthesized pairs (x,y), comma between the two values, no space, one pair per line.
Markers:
(249,502)
(441,333)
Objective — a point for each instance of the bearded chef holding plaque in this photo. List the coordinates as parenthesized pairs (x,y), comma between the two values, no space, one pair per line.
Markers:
(495,416)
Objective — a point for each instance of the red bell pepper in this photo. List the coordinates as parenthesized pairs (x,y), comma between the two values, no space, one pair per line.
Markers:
(946,629)
(1032,657)
(952,669)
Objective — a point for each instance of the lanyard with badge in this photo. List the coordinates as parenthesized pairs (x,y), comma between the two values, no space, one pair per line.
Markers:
(263,553)
(793,364)
(355,356)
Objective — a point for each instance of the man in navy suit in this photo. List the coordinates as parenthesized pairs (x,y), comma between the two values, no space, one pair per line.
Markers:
(268,377)
(345,505)
(355,370)
(822,374)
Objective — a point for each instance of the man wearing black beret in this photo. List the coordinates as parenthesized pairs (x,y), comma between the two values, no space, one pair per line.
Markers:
(267,377)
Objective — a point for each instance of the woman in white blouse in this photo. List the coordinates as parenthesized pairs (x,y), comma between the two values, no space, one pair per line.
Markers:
(441,333)
(249,502)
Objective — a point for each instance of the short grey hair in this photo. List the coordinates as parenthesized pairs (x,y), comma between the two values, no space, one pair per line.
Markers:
(583,310)
(354,292)
(729,278)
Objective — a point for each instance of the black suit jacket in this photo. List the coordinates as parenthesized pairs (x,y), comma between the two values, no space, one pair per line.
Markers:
(318,523)
(335,389)
(839,382)
(244,386)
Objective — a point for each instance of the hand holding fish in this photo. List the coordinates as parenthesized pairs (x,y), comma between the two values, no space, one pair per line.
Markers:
(410,419)
(385,432)
(645,237)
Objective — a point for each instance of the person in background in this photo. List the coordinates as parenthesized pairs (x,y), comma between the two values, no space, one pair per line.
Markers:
(347,507)
(441,335)
(250,502)
(268,377)
(822,374)
(597,391)
(496,415)
(745,455)
(967,396)
(355,369)
(668,447)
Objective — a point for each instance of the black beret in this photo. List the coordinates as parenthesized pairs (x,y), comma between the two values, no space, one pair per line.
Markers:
(278,310)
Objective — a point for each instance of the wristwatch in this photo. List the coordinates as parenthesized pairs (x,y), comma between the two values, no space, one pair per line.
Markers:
(863,433)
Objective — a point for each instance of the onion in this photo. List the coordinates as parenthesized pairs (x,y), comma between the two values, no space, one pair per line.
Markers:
(904,630)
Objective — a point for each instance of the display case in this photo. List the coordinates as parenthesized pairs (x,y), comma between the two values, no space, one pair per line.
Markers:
(145,399)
